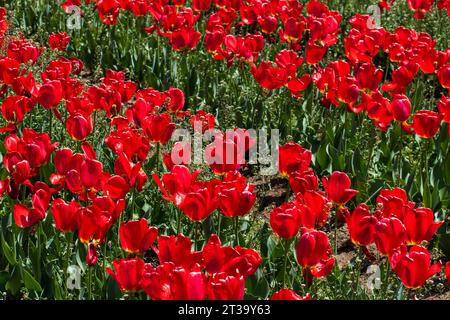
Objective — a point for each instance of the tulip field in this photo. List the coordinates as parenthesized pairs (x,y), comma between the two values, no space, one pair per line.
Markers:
(225,150)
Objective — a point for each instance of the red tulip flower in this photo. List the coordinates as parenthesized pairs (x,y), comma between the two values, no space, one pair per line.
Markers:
(420,225)
(93,225)
(447,272)
(338,188)
(362,226)
(184,39)
(170,282)
(50,94)
(236,261)
(293,158)
(401,108)
(426,123)
(287,294)
(420,7)
(128,273)
(198,204)
(285,220)
(108,11)
(25,217)
(314,209)
(236,197)
(390,234)
(413,266)
(221,286)
(393,203)
(136,237)
(59,41)
(158,127)
(177,250)
(302,182)
(65,215)
(314,254)
(79,126)
(443,75)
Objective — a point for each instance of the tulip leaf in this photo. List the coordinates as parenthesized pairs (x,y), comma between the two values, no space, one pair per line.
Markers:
(30,282)
(9,254)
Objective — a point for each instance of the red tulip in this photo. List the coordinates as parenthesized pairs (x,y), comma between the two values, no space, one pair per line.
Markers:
(169,282)
(314,209)
(302,182)
(390,234)
(200,203)
(158,127)
(93,225)
(65,215)
(177,250)
(25,217)
(401,108)
(293,158)
(362,226)
(128,273)
(443,107)
(420,7)
(420,225)
(91,255)
(443,75)
(108,11)
(222,286)
(59,41)
(136,237)
(206,120)
(50,94)
(447,272)
(285,220)
(338,188)
(393,203)
(79,126)
(287,294)
(175,100)
(184,39)
(236,197)
(314,253)
(413,267)
(34,147)
(426,123)
(234,261)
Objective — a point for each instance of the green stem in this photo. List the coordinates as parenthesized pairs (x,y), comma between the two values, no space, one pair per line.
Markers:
(286,251)
(68,254)
(236,230)
(89,284)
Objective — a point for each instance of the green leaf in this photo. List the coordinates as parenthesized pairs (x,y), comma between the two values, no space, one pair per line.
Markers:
(10,255)
(30,282)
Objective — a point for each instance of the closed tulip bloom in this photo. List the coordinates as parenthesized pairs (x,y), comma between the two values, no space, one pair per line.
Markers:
(314,253)
(287,294)
(128,273)
(444,76)
(426,123)
(65,215)
(177,250)
(222,286)
(136,237)
(362,226)
(401,108)
(200,203)
(285,220)
(236,197)
(50,94)
(79,126)
(413,266)
(390,234)
(420,225)
(338,188)
(314,209)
